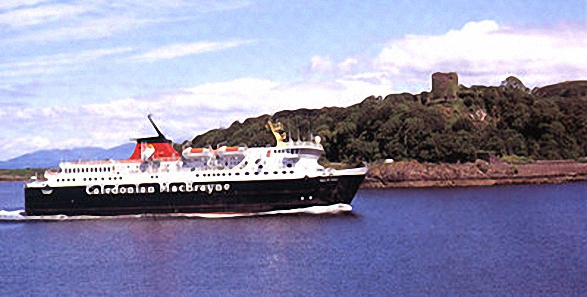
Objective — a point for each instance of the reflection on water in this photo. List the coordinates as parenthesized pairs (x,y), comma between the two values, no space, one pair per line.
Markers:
(511,240)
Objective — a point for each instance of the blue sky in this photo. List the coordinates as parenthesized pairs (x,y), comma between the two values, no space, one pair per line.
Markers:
(86,73)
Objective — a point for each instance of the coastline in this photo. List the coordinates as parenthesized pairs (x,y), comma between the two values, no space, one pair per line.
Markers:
(20,175)
(412,174)
(419,175)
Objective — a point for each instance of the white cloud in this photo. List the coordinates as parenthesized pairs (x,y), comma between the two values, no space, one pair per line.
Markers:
(349,65)
(56,63)
(184,49)
(39,15)
(189,111)
(320,64)
(43,21)
(10,4)
(486,53)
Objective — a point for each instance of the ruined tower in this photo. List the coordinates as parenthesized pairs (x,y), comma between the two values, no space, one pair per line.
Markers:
(445,85)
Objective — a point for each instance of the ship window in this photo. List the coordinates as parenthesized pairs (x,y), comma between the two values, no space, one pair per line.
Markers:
(275,172)
(265,172)
(246,173)
(288,165)
(291,172)
(283,172)
(73,179)
(256,173)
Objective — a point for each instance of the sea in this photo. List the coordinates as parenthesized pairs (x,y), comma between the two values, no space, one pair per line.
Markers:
(505,240)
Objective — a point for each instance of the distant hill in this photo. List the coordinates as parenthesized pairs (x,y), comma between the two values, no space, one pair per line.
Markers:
(51,158)
(564,89)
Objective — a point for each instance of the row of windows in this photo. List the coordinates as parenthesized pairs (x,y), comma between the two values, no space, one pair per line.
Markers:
(237,173)
(110,178)
(289,151)
(92,169)
(88,179)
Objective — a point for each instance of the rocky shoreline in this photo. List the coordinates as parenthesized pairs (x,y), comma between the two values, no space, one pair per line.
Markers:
(414,174)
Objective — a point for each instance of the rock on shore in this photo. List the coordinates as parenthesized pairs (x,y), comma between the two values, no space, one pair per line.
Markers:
(414,174)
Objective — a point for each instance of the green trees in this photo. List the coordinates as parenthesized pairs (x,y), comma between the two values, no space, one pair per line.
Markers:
(506,120)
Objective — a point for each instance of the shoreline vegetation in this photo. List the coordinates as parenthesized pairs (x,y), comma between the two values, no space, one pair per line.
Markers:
(413,174)
(20,175)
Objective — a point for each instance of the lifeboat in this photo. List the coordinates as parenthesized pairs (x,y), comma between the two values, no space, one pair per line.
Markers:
(231,151)
(231,156)
(192,153)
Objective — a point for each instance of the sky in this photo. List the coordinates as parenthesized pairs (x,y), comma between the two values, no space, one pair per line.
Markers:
(87,73)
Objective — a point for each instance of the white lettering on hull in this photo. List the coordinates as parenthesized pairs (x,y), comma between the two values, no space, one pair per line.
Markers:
(149,189)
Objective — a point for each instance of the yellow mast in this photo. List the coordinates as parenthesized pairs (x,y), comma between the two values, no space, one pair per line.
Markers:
(278,133)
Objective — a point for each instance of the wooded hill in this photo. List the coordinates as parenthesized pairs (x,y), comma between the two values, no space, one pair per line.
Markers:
(509,120)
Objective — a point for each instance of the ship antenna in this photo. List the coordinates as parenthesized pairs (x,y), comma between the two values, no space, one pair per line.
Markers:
(155,126)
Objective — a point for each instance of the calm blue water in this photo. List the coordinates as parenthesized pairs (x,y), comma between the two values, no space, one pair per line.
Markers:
(509,240)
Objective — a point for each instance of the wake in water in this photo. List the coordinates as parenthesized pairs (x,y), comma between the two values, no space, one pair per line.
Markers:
(19,215)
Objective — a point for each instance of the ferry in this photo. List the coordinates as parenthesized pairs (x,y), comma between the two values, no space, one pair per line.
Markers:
(157,179)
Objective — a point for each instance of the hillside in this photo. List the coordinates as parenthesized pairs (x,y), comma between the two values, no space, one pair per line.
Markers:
(548,123)
(51,158)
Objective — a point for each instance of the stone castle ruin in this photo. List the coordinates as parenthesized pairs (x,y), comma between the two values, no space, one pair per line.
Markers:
(445,85)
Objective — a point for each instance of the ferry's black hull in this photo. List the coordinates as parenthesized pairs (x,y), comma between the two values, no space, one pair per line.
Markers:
(218,197)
